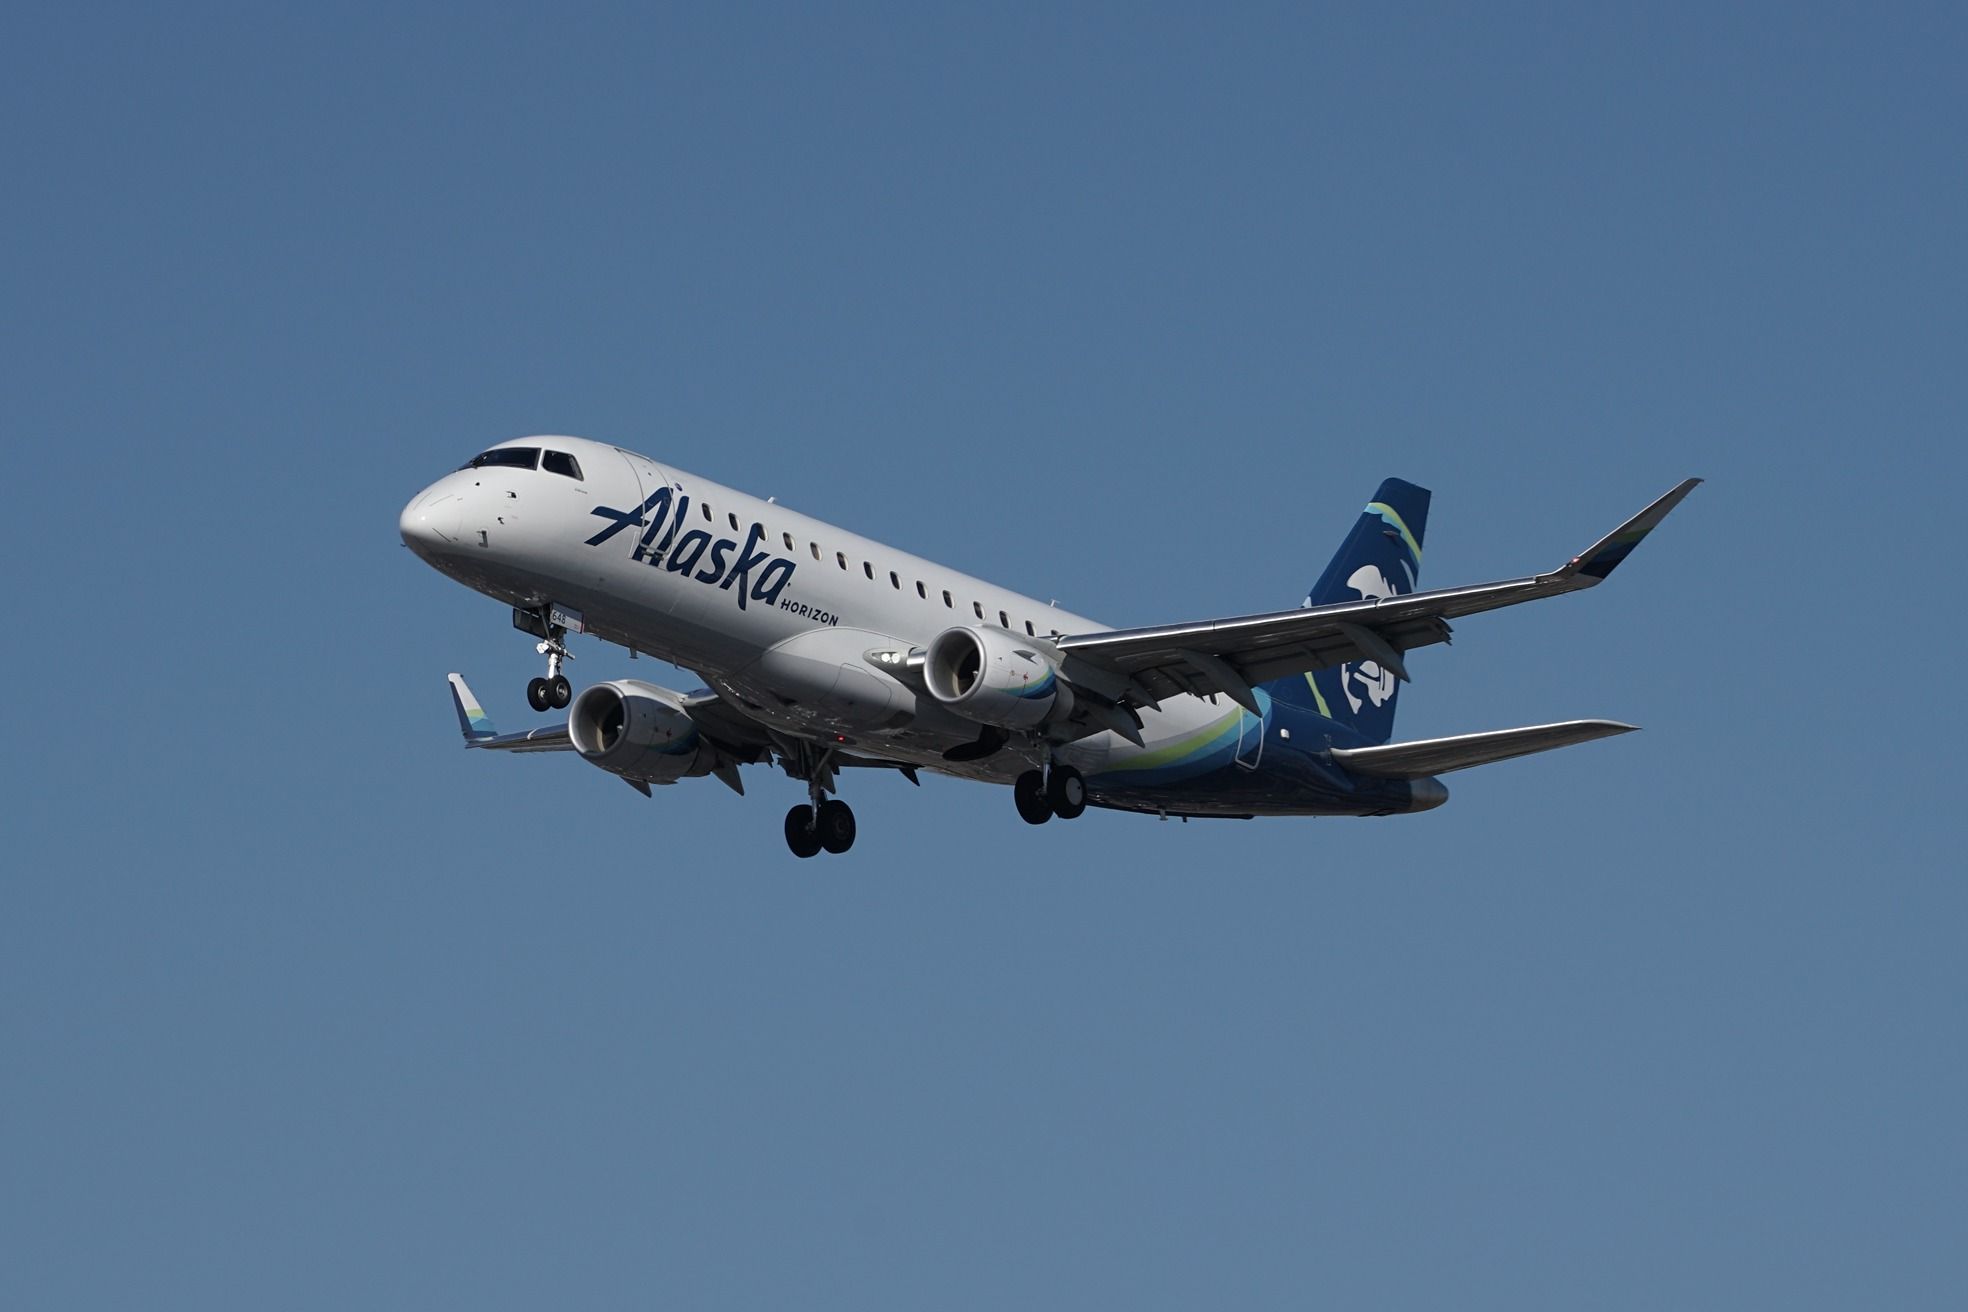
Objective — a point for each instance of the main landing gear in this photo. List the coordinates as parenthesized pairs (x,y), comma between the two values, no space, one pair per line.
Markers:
(1058,792)
(810,832)
(822,823)
(553,692)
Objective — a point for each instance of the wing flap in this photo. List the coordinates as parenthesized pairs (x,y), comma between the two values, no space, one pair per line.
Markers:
(734,733)
(1432,756)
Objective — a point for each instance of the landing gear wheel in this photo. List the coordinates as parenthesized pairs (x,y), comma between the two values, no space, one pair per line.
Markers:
(1028,792)
(835,826)
(554,691)
(800,834)
(1066,792)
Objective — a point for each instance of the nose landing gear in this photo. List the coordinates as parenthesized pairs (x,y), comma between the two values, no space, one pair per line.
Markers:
(549,694)
(553,692)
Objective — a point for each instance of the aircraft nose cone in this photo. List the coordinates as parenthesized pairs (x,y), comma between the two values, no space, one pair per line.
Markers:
(431,521)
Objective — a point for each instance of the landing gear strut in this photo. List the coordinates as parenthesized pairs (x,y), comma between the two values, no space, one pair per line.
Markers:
(553,692)
(1060,791)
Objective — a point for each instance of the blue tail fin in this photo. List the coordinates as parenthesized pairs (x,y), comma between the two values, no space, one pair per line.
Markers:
(1381,557)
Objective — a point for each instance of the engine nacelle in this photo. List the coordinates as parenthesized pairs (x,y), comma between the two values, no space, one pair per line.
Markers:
(636,730)
(992,677)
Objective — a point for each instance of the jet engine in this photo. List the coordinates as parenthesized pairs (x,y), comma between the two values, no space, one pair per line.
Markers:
(992,677)
(636,730)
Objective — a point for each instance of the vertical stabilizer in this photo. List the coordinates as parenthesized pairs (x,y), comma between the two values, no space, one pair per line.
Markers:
(1381,557)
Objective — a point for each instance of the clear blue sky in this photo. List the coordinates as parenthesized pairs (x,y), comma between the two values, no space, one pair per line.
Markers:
(302,1007)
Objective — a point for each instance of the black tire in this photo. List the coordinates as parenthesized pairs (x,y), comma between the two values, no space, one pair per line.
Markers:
(800,834)
(539,695)
(835,826)
(1066,792)
(563,691)
(1028,793)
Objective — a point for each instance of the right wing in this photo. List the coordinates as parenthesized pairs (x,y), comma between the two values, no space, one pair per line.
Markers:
(1139,667)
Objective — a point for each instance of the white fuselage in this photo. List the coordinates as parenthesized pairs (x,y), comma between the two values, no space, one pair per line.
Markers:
(777,611)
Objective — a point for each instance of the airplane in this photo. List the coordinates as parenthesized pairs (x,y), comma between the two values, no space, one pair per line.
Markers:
(824,651)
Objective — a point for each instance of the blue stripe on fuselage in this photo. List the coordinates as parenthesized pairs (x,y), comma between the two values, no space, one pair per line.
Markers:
(1293,775)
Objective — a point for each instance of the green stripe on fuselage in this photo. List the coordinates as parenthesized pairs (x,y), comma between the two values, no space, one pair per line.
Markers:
(1317,696)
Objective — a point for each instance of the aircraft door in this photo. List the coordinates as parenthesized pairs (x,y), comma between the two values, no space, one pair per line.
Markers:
(646,478)
(1250,740)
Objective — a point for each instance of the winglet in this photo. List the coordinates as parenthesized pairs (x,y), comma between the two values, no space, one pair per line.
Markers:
(477,725)
(1603,556)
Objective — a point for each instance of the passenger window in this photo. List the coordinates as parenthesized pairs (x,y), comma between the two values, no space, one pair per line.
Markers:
(895,579)
(734,520)
(706,508)
(1004,620)
(789,541)
(559,462)
(946,599)
(1030,632)
(816,549)
(868,569)
(841,556)
(921,591)
(978,606)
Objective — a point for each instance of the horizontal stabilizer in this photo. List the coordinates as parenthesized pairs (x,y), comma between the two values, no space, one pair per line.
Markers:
(1430,756)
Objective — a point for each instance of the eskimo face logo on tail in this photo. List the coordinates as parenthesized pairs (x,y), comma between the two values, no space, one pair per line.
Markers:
(754,575)
(1366,681)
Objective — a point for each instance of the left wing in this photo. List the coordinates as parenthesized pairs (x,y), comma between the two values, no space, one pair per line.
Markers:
(738,739)
(733,733)
(1142,666)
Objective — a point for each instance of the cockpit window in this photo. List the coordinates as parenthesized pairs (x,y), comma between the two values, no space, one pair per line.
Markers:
(509,457)
(559,462)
